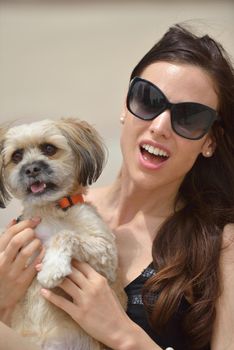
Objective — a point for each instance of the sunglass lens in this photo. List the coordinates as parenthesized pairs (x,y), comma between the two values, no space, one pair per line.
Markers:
(144,100)
(191,120)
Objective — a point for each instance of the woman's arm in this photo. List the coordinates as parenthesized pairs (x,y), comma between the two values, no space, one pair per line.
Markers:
(10,340)
(97,310)
(223,332)
(17,244)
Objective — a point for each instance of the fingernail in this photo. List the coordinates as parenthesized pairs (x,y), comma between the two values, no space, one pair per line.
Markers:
(38,267)
(37,219)
(44,292)
(11,223)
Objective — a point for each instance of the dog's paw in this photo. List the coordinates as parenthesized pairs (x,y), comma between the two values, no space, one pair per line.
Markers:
(54,270)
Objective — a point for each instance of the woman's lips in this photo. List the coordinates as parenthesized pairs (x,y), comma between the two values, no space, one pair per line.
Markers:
(152,157)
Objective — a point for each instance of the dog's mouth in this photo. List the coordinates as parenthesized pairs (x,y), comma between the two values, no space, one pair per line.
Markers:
(39,187)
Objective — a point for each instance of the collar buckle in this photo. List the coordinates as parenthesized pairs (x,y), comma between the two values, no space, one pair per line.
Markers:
(68,201)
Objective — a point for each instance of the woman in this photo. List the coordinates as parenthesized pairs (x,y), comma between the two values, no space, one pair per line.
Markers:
(171,208)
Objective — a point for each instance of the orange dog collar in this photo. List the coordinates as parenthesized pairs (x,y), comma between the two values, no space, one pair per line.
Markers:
(69,201)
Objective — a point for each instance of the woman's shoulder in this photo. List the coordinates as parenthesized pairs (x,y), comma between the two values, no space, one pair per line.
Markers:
(98,197)
(95,195)
(103,199)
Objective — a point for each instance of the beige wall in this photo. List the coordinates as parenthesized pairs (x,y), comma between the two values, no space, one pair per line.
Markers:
(75,59)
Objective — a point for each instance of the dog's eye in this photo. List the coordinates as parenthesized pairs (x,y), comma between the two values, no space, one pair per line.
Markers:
(48,149)
(17,156)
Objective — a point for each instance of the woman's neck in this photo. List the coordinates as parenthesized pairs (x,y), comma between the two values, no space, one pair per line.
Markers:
(123,202)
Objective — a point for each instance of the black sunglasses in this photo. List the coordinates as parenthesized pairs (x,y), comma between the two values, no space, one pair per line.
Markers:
(188,119)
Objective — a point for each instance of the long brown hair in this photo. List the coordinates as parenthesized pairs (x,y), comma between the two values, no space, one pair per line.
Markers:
(186,249)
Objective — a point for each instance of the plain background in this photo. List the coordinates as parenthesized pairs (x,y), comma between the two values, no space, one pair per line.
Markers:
(74,58)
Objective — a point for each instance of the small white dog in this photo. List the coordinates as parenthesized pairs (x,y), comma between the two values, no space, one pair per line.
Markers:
(47,165)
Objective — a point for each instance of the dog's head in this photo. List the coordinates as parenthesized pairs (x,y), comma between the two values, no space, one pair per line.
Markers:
(46,160)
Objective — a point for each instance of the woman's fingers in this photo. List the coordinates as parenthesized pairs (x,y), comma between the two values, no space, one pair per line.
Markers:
(30,271)
(18,244)
(78,277)
(23,257)
(70,288)
(14,229)
(85,268)
(38,259)
(11,223)
(59,301)
(94,303)
(80,281)
(86,277)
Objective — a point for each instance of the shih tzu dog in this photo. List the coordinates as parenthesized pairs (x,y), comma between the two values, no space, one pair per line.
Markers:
(48,165)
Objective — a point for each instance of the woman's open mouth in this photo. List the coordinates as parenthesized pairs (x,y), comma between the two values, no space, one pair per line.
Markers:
(153,156)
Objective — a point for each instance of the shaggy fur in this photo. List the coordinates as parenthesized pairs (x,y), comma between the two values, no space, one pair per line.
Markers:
(40,163)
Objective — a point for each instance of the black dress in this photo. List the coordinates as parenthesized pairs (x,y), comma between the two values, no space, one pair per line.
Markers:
(173,335)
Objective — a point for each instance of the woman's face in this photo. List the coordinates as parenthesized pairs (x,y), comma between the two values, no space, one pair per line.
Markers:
(179,83)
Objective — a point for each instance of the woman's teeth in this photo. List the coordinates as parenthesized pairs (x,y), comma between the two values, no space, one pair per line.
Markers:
(154,150)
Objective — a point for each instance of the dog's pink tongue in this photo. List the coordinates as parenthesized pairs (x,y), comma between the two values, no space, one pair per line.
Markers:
(38,187)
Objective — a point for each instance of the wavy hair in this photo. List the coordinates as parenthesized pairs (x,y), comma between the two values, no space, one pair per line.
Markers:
(187,248)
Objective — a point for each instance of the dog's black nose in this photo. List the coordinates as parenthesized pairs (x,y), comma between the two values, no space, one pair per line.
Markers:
(33,169)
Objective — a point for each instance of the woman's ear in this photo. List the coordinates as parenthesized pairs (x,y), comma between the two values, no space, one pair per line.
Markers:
(209,147)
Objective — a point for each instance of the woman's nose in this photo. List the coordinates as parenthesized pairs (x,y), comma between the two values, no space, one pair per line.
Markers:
(161,125)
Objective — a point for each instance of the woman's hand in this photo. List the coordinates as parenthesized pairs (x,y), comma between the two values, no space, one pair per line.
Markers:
(17,245)
(95,306)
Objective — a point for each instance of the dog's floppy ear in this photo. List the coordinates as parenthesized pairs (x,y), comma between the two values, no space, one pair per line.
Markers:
(87,145)
(4,194)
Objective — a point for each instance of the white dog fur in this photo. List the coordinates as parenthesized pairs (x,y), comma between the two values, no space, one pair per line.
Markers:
(40,163)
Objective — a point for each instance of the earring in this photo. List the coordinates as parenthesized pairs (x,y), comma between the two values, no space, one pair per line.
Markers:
(208,153)
(122,119)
